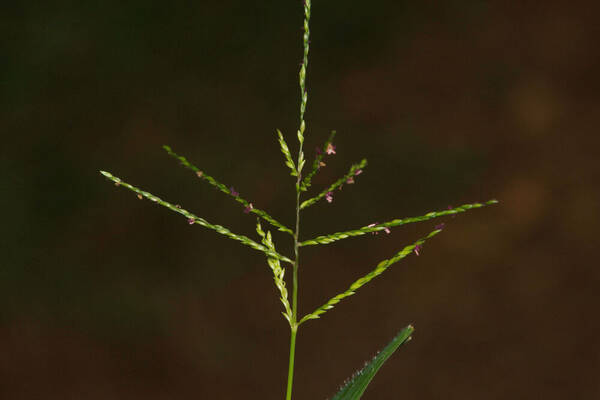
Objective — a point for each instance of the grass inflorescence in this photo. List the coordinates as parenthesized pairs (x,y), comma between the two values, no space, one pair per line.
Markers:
(355,386)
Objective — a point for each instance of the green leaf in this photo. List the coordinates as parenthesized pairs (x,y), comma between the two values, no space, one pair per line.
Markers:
(356,385)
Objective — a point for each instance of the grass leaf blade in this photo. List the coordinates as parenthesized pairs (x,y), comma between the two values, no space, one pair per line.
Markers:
(194,219)
(356,385)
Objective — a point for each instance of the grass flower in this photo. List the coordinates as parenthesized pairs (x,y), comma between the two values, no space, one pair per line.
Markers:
(417,249)
(371,226)
(330,149)
(329,197)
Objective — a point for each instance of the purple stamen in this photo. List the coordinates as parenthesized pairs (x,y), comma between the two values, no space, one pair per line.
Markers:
(417,249)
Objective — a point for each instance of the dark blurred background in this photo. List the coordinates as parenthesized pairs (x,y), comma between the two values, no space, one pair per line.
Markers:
(104,296)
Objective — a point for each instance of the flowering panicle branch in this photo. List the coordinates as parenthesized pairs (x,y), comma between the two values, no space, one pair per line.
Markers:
(318,163)
(302,77)
(193,219)
(379,269)
(278,272)
(249,207)
(354,170)
(286,153)
(326,239)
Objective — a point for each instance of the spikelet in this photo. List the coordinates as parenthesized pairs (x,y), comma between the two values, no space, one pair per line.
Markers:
(286,153)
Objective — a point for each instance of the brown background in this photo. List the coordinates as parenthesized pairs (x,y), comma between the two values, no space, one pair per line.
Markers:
(103,296)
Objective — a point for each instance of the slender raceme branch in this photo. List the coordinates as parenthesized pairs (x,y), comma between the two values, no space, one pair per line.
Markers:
(350,174)
(317,163)
(278,272)
(326,239)
(381,267)
(249,207)
(194,219)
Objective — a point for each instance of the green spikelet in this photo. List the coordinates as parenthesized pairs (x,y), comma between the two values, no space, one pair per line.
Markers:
(301,161)
(379,269)
(194,219)
(286,153)
(212,181)
(335,185)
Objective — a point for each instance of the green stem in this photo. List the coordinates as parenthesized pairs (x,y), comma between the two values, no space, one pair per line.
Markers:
(294,324)
(300,162)
(288,395)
